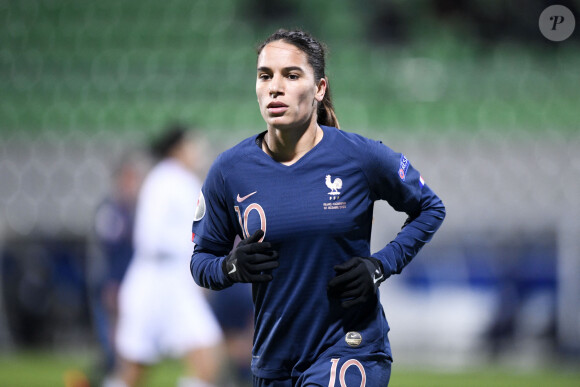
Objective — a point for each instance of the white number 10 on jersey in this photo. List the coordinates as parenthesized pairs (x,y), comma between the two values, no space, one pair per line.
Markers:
(342,373)
(244,221)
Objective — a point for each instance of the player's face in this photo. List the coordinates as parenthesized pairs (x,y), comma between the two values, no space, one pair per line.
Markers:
(287,92)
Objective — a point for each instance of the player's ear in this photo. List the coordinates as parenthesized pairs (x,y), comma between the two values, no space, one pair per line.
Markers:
(321,89)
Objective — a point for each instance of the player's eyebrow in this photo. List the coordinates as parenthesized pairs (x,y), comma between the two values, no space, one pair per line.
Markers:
(266,69)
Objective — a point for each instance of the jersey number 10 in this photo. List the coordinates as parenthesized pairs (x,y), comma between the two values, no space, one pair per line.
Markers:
(342,373)
(244,221)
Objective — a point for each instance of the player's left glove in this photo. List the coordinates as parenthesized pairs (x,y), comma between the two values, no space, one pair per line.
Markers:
(356,280)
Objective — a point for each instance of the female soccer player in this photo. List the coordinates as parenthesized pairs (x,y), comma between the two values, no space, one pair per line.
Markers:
(300,195)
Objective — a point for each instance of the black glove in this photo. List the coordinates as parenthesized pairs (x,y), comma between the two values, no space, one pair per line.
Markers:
(356,280)
(251,260)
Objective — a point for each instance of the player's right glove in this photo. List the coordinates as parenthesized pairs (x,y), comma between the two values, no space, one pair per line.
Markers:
(251,261)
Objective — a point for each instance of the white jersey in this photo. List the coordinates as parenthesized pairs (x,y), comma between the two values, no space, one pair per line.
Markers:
(165,212)
(162,310)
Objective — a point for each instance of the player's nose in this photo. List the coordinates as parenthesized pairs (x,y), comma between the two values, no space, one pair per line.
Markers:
(276,86)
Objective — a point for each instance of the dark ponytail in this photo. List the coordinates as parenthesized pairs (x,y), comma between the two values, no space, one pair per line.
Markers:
(326,114)
(315,52)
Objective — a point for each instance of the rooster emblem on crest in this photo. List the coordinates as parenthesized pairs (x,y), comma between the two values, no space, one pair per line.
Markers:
(333,185)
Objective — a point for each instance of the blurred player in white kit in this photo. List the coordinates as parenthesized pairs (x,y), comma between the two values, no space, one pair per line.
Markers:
(162,312)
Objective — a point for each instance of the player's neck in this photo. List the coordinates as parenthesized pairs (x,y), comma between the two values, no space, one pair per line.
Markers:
(287,146)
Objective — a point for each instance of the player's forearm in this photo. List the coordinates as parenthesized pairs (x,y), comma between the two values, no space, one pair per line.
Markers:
(417,231)
(206,269)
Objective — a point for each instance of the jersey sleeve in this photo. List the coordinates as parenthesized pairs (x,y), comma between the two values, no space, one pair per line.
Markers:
(212,232)
(392,178)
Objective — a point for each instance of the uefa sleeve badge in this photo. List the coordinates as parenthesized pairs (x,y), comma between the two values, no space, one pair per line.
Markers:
(200,210)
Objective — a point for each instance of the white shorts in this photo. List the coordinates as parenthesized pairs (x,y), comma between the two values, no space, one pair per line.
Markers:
(162,312)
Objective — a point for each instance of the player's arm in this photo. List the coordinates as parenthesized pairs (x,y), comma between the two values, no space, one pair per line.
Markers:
(416,232)
(401,185)
(357,279)
(212,232)
(206,268)
(214,264)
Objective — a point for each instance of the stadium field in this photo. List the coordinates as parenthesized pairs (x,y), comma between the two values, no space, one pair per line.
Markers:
(41,369)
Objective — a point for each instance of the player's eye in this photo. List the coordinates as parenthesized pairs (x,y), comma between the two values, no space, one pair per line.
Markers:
(293,76)
(263,77)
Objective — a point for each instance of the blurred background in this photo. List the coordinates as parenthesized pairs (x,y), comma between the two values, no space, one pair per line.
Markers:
(476,97)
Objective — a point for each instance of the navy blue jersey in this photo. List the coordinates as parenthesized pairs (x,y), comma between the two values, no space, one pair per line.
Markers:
(316,213)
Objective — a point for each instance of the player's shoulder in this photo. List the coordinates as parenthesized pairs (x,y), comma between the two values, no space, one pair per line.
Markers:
(232,159)
(348,138)
(237,152)
(357,146)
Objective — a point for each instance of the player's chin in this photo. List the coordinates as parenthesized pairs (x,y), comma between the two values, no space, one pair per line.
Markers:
(270,119)
(287,122)
(280,122)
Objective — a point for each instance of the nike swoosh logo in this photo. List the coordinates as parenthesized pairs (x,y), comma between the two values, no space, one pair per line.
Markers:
(377,279)
(241,199)
(233,270)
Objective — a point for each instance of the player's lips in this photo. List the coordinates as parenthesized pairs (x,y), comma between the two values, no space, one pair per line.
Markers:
(277,107)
